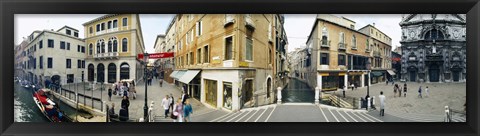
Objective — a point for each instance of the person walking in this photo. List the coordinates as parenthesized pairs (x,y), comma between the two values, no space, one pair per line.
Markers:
(426,92)
(353,86)
(109,94)
(386,81)
(171,101)
(111,112)
(166,105)
(187,111)
(123,114)
(178,111)
(382,103)
(399,90)
(405,90)
(343,90)
(394,91)
(420,92)
(161,82)
(184,97)
(125,102)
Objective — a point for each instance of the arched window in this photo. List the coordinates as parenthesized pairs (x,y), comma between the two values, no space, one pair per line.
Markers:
(91,71)
(115,45)
(112,73)
(354,41)
(324,36)
(98,48)
(110,46)
(433,34)
(90,49)
(100,73)
(124,71)
(103,46)
(124,45)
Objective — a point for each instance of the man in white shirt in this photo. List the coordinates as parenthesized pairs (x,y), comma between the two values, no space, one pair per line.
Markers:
(382,103)
(166,105)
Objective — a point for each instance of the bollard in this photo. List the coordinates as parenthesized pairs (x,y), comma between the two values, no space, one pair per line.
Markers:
(317,95)
(279,95)
(373,100)
(360,103)
(368,103)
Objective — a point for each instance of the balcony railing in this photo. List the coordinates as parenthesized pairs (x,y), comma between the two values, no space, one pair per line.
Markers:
(342,46)
(376,54)
(108,55)
(367,50)
(325,43)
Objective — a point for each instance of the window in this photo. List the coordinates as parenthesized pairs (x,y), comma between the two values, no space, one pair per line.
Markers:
(90,49)
(69,32)
(199,28)
(270,56)
(323,58)
(41,62)
(109,25)
(90,29)
(249,49)
(191,58)
(206,55)
(83,49)
(115,23)
(103,46)
(83,63)
(229,48)
(341,59)
(35,47)
(40,44)
(62,45)
(70,78)
(34,63)
(325,36)
(69,63)
(115,45)
(78,48)
(79,63)
(199,55)
(342,37)
(98,47)
(354,42)
(124,45)
(68,46)
(125,22)
(50,43)
(98,27)
(103,26)
(49,62)
(109,46)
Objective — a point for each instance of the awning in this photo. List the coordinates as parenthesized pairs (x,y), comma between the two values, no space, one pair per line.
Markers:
(178,74)
(188,76)
(377,74)
(173,74)
(391,72)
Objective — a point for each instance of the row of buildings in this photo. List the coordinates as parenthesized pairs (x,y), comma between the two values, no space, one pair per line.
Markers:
(107,54)
(337,54)
(226,61)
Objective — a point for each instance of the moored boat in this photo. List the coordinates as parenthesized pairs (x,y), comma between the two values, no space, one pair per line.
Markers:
(48,108)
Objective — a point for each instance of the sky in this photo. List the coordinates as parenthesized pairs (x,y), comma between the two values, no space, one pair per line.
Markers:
(297,26)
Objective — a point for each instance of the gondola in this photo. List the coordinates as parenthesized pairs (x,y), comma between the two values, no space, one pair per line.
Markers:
(58,116)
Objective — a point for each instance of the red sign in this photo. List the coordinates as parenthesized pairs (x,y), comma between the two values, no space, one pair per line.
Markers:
(157,55)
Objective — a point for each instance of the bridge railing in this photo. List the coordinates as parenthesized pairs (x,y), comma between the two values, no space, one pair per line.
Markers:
(93,102)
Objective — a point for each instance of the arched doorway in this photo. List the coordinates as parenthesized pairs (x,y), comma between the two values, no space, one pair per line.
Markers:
(91,70)
(434,73)
(112,73)
(412,74)
(124,71)
(269,86)
(100,73)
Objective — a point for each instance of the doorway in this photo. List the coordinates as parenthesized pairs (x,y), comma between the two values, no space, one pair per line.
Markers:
(434,73)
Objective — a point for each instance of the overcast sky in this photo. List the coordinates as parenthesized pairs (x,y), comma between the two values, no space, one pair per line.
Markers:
(297,26)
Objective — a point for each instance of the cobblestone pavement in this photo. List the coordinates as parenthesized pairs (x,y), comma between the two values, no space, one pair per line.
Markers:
(427,109)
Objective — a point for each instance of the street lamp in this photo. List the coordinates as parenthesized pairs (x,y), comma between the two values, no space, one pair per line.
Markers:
(145,108)
(369,67)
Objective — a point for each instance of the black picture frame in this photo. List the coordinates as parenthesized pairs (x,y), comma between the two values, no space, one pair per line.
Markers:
(8,8)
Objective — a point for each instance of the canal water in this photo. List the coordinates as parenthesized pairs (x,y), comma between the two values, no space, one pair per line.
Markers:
(25,109)
(298,91)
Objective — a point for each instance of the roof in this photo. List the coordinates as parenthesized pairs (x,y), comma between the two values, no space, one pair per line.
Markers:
(99,18)
(156,40)
(375,28)
(67,27)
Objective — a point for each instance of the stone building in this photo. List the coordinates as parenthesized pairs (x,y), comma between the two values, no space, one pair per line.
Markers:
(113,42)
(433,47)
(228,60)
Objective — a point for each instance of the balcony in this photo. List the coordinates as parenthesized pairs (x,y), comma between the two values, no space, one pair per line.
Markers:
(325,43)
(376,54)
(342,46)
(249,23)
(109,55)
(367,50)
(229,19)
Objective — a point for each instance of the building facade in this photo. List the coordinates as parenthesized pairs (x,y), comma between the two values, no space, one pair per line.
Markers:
(56,55)
(113,42)
(337,55)
(226,60)
(20,55)
(433,47)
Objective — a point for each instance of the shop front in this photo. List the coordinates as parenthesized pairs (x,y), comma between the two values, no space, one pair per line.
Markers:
(377,76)
(191,83)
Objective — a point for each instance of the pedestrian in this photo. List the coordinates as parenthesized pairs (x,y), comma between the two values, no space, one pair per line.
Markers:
(405,90)
(395,91)
(161,82)
(111,112)
(382,103)
(420,92)
(125,92)
(386,81)
(125,102)
(123,114)
(109,94)
(184,97)
(399,90)
(187,110)
(393,81)
(343,90)
(166,105)
(426,92)
(353,86)
(178,111)
(171,101)
(133,91)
